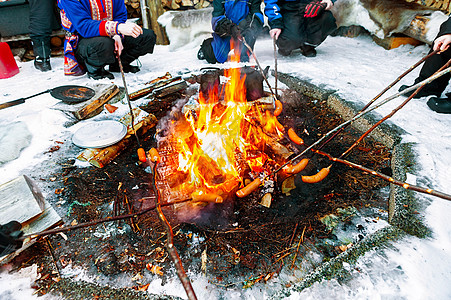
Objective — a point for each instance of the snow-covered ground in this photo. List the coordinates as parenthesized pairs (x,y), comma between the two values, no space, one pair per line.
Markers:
(358,69)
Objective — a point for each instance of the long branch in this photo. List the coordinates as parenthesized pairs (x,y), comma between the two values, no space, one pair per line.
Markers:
(94,222)
(388,178)
(170,241)
(383,92)
(390,114)
(359,115)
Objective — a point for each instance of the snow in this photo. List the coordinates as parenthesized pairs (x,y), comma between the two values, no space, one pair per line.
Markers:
(357,69)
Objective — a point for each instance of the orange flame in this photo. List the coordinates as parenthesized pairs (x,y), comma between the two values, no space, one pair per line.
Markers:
(221,128)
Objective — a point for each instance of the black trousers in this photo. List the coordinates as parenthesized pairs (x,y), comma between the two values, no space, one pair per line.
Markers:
(298,30)
(98,51)
(42,17)
(432,65)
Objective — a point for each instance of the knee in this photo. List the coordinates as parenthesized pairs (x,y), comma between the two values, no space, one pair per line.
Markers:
(149,38)
(102,45)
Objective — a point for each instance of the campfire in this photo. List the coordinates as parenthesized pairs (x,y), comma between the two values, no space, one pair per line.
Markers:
(223,142)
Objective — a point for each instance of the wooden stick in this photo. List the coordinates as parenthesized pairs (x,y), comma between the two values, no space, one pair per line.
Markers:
(275,65)
(359,115)
(405,185)
(383,92)
(391,113)
(297,249)
(170,240)
(259,66)
(49,246)
(95,222)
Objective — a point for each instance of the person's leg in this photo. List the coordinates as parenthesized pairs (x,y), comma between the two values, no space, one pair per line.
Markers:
(250,34)
(319,28)
(95,53)
(206,51)
(430,66)
(134,48)
(292,36)
(41,16)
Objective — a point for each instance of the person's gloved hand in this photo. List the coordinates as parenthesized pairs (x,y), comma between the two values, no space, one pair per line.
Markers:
(314,8)
(235,32)
(9,234)
(225,27)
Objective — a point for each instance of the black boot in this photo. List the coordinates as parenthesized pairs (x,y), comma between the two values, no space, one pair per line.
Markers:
(424,92)
(42,64)
(97,73)
(41,49)
(440,105)
(126,67)
(308,51)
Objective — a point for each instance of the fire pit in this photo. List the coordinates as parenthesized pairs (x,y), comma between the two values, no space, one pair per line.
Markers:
(236,242)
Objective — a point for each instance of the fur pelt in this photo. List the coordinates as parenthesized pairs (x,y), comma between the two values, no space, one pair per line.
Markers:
(187,28)
(380,17)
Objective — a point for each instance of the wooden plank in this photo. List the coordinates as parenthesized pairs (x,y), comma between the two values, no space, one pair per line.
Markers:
(17,201)
(48,219)
(95,106)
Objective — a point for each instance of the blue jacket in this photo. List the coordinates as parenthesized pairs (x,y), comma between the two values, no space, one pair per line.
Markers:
(91,18)
(235,11)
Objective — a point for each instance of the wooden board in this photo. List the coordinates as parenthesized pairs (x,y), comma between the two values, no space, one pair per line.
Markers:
(100,91)
(95,105)
(17,201)
(46,218)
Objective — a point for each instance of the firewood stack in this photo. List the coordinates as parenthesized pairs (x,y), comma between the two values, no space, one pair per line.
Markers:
(133,9)
(443,5)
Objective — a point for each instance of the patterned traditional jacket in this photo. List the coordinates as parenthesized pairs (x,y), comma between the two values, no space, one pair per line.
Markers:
(88,18)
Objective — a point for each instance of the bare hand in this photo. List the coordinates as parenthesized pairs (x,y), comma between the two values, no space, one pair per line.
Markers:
(442,43)
(328,3)
(118,47)
(274,33)
(130,29)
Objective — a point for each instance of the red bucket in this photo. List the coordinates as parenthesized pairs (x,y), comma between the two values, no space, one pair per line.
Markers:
(8,66)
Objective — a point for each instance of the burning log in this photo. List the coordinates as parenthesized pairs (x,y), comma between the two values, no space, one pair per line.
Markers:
(243,168)
(173,87)
(210,171)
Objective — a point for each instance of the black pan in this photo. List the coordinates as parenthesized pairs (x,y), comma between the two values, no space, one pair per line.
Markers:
(70,94)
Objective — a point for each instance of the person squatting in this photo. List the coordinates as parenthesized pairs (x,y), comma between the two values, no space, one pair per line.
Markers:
(295,24)
(97,33)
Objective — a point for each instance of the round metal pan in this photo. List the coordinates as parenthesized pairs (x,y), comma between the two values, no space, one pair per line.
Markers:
(99,134)
(72,94)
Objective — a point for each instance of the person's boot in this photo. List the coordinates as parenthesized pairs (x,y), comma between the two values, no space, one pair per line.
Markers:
(308,51)
(42,64)
(97,73)
(440,105)
(126,67)
(41,51)
(424,92)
